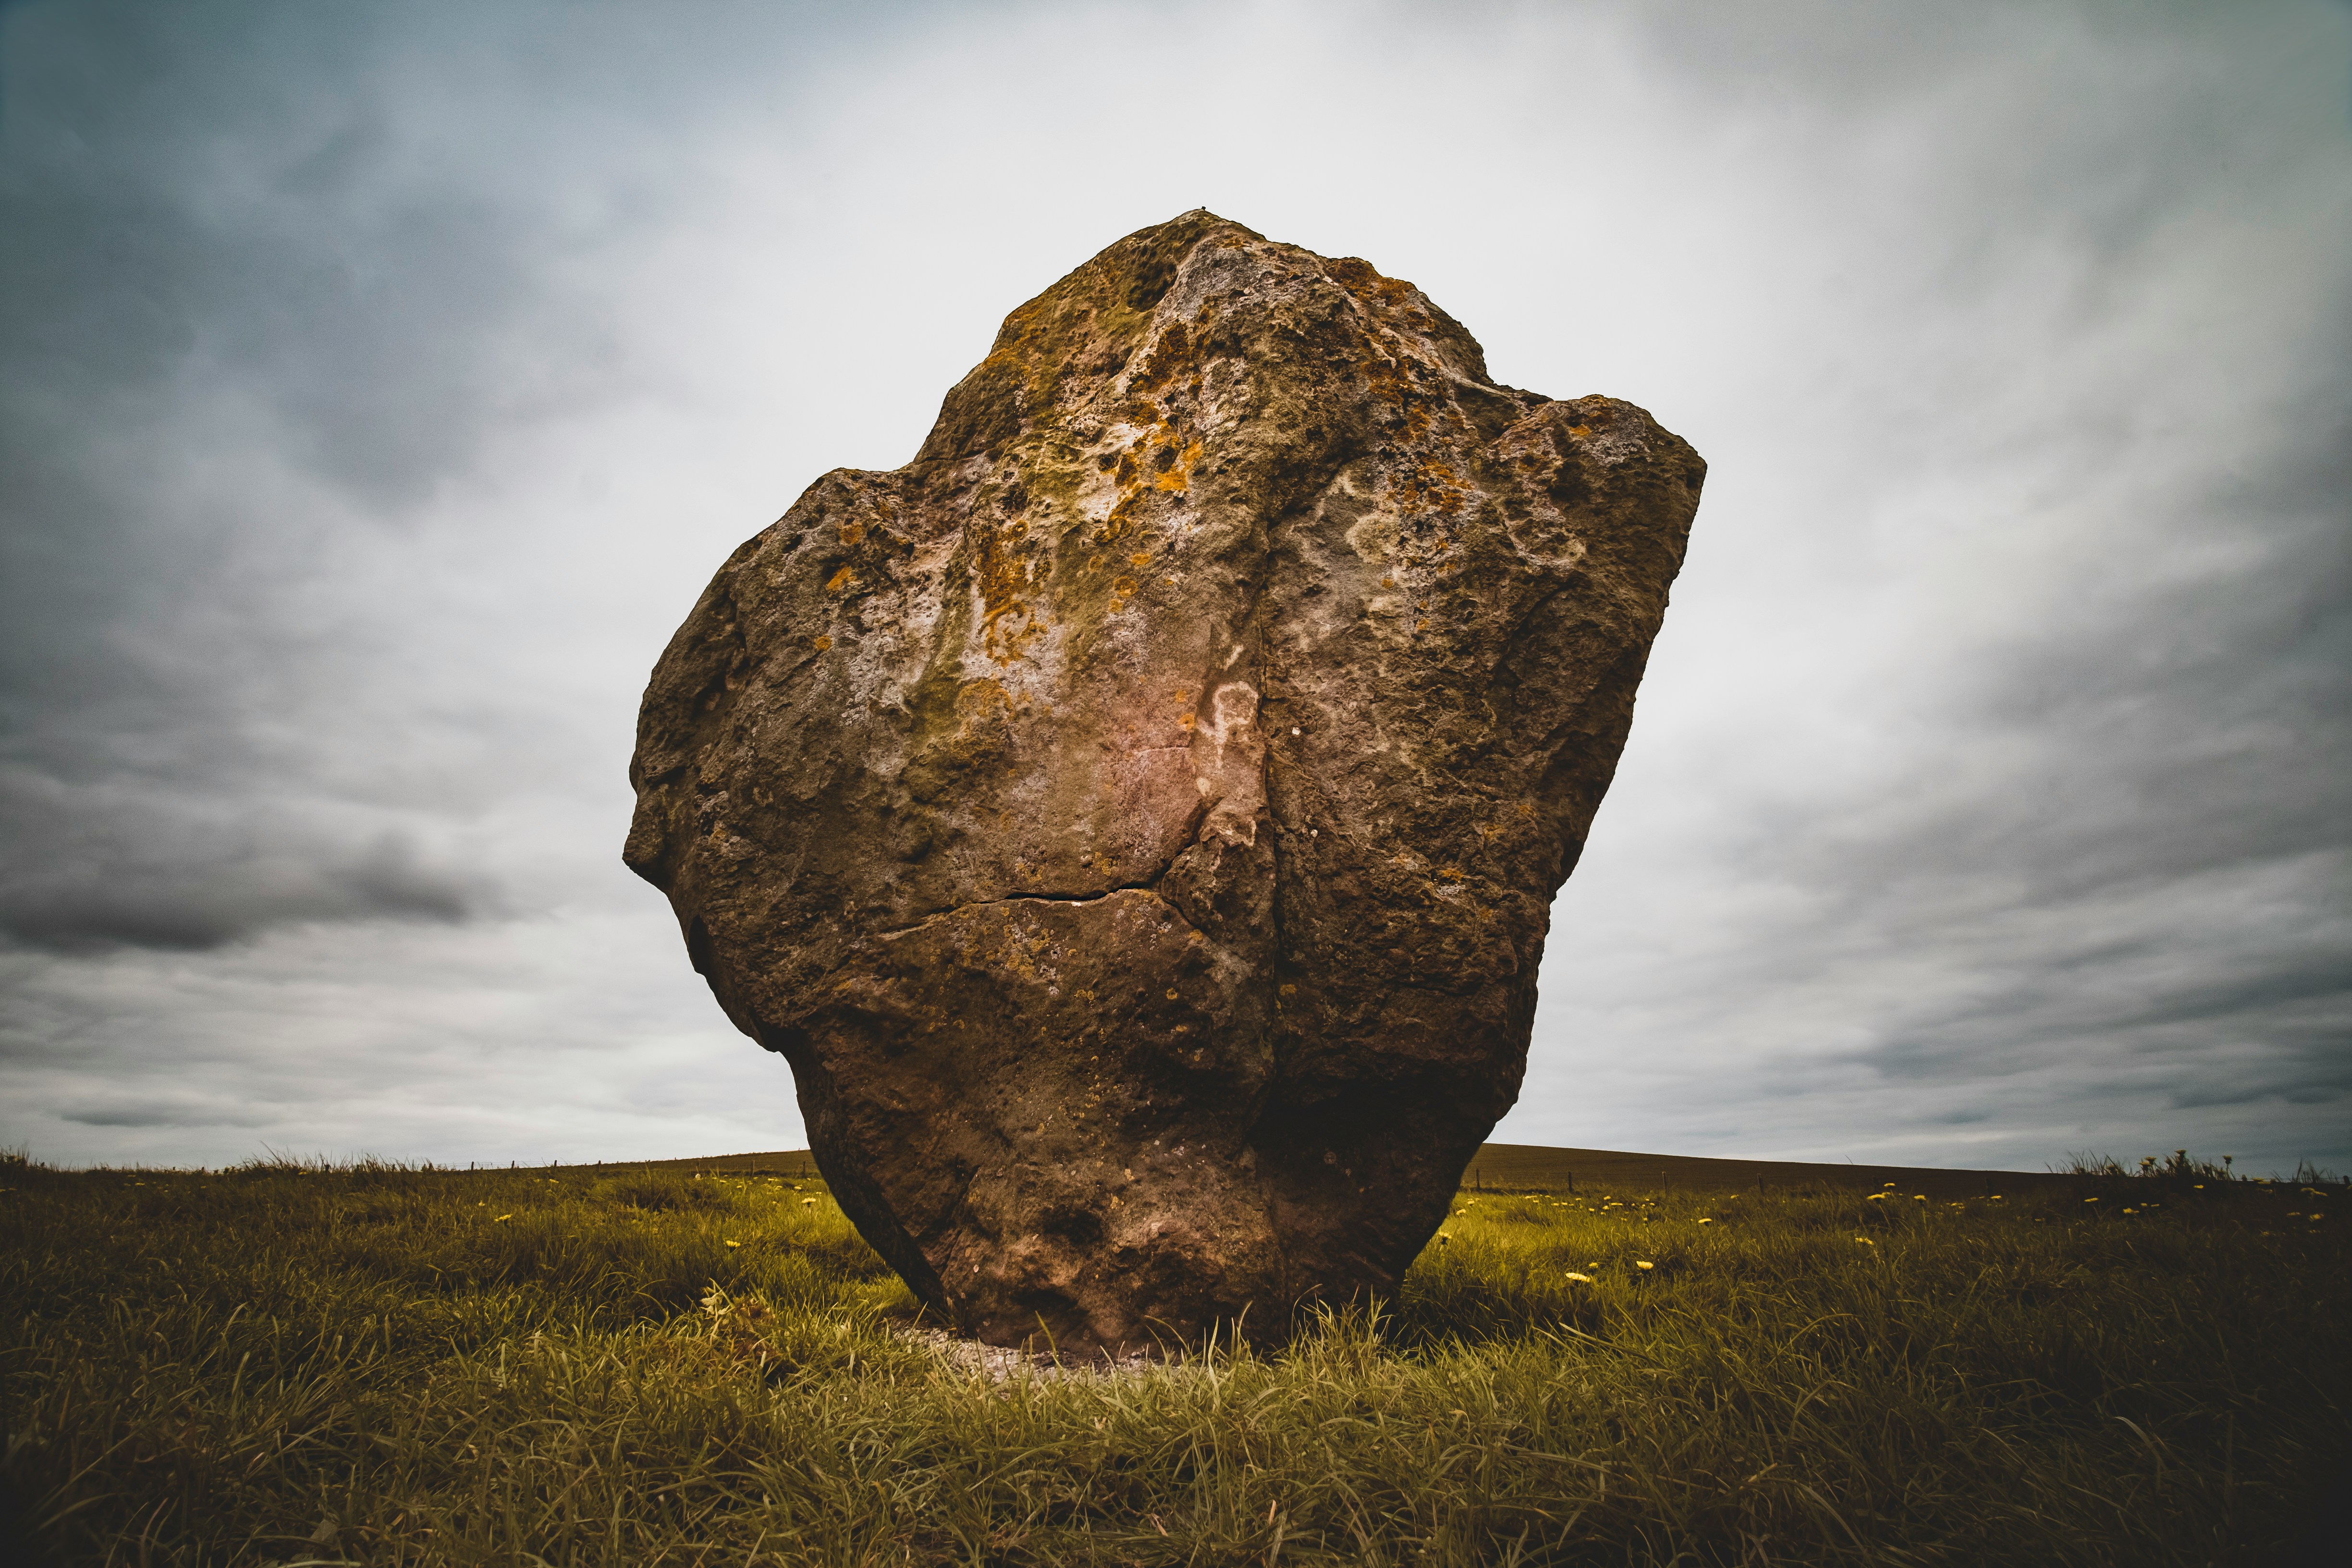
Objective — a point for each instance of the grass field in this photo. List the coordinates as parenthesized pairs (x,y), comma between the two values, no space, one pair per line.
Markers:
(370,1364)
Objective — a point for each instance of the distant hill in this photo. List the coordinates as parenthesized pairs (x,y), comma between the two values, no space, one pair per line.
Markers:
(1521,1166)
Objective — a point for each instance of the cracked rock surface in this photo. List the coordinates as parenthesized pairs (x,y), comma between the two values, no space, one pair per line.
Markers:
(1136,819)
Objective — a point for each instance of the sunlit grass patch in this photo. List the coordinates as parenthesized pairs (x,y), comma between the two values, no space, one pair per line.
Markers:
(289,1363)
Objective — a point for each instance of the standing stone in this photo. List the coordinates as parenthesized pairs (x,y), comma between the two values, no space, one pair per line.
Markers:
(1136,820)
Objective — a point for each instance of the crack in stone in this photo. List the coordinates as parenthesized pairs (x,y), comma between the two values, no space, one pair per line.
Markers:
(1150,886)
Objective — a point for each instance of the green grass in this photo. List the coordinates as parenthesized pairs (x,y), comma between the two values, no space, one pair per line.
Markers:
(381,1366)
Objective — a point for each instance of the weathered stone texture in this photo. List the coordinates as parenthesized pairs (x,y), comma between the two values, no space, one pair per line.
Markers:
(1136,819)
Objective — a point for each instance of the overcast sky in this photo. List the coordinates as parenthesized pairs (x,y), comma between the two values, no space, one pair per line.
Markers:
(380,384)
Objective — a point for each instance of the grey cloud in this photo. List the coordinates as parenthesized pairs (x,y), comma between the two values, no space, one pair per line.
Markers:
(2291,1085)
(2293,978)
(159,1113)
(178,884)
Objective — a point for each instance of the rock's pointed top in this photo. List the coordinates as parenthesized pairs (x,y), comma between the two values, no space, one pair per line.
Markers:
(1070,352)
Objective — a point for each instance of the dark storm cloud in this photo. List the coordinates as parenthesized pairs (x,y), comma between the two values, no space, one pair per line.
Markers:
(273,279)
(257,301)
(161,884)
(2042,825)
(161,1114)
(2169,837)
(209,208)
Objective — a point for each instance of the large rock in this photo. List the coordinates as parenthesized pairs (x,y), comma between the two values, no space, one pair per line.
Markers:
(1136,819)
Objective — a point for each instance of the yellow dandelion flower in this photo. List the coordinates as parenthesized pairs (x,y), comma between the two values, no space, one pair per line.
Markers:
(2090,1200)
(1866,1241)
(1709,1220)
(1445,1239)
(808,1203)
(1582,1279)
(1645,1263)
(502,1219)
(734,1243)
